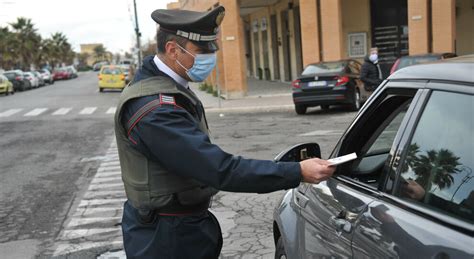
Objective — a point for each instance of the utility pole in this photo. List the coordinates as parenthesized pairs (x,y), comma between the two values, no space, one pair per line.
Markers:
(137,32)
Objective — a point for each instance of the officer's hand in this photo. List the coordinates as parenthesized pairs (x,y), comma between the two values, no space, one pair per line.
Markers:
(316,170)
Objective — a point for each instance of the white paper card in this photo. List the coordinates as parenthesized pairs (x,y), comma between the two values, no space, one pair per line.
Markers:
(342,159)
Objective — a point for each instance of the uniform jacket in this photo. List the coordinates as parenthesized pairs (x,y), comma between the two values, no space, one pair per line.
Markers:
(369,74)
(170,135)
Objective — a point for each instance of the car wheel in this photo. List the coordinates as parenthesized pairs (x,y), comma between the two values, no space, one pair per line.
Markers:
(101,90)
(324,107)
(300,109)
(280,250)
(356,101)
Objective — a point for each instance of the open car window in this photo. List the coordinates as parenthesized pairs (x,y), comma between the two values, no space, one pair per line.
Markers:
(373,137)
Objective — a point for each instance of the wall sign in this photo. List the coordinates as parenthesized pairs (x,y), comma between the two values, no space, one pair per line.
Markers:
(357,44)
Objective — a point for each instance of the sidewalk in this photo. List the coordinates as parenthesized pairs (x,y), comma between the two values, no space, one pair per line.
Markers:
(261,96)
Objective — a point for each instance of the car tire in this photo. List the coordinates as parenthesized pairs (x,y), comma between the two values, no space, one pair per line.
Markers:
(325,107)
(300,109)
(101,90)
(280,249)
(356,102)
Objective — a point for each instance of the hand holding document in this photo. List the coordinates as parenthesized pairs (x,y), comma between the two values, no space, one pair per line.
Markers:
(342,159)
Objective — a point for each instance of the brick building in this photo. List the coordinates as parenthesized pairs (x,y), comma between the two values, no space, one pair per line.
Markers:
(275,39)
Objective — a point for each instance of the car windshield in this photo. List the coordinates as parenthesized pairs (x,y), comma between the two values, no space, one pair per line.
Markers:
(409,61)
(10,75)
(323,68)
(111,71)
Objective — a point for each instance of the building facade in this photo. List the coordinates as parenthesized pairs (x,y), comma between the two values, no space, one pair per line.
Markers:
(275,39)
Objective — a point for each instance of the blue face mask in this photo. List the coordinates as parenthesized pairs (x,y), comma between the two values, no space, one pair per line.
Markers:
(202,67)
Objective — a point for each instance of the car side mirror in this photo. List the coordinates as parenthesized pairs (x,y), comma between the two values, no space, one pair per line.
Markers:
(299,153)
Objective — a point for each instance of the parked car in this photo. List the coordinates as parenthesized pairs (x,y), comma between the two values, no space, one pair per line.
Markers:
(406,61)
(41,81)
(111,77)
(329,83)
(97,66)
(410,192)
(61,74)
(34,81)
(47,76)
(17,77)
(72,71)
(6,87)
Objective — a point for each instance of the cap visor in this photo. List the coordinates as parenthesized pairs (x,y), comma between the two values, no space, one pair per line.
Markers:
(210,46)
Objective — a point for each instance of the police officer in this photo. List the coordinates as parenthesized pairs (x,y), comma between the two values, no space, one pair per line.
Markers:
(170,168)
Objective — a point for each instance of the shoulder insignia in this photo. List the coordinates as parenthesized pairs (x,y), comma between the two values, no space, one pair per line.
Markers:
(167,99)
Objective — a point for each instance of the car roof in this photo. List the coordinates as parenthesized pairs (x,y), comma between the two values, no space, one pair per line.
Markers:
(334,61)
(459,69)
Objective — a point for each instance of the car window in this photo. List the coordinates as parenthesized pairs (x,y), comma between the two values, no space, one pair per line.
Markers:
(438,169)
(409,61)
(111,71)
(324,67)
(373,138)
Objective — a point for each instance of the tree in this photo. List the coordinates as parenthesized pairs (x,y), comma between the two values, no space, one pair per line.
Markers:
(27,41)
(435,168)
(99,53)
(7,53)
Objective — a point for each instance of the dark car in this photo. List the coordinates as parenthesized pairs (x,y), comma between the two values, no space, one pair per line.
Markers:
(410,192)
(406,61)
(329,83)
(17,77)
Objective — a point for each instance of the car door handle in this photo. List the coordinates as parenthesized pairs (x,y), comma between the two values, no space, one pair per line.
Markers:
(300,199)
(341,224)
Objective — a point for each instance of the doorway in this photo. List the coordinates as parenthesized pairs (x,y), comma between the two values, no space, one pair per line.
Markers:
(389,20)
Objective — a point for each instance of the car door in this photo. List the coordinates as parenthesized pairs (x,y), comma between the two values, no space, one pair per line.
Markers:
(334,206)
(427,206)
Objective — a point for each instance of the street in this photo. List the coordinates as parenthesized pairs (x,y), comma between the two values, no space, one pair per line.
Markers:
(61,192)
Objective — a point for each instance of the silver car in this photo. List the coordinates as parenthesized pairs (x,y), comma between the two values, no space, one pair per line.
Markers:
(410,192)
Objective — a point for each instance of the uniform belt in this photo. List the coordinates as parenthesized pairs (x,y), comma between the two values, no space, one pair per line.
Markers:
(181,210)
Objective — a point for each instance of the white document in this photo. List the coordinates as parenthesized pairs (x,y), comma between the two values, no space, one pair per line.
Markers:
(342,159)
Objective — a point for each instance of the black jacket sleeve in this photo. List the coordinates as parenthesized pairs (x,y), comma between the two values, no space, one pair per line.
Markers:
(171,136)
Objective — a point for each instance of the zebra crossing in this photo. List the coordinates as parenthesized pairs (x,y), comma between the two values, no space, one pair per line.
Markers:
(21,112)
(95,223)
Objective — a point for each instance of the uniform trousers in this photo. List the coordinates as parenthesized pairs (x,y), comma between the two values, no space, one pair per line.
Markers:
(186,236)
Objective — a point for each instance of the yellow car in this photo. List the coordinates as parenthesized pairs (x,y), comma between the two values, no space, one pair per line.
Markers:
(111,77)
(6,87)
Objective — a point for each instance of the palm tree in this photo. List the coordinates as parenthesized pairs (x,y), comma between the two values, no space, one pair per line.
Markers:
(27,41)
(7,52)
(62,51)
(436,168)
(99,53)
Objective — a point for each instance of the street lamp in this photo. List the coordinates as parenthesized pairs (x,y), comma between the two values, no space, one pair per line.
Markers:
(137,32)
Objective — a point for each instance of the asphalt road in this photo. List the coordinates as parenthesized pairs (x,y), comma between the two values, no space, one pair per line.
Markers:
(40,157)
(49,159)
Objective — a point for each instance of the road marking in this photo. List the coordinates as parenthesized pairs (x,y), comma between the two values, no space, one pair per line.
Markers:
(10,112)
(62,111)
(321,133)
(96,221)
(111,110)
(88,110)
(36,112)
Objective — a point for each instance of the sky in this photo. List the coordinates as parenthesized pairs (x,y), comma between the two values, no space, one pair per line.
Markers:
(110,22)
